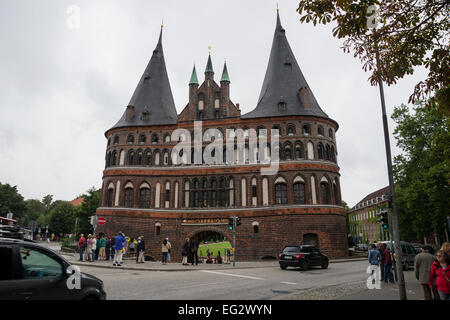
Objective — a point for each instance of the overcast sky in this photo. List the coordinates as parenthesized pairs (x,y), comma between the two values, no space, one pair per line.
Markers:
(61,88)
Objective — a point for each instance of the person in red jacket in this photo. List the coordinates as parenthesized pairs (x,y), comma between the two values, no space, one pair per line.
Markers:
(80,245)
(440,272)
(387,262)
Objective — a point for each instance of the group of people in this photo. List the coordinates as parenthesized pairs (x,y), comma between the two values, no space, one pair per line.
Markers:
(189,251)
(102,247)
(432,271)
(380,255)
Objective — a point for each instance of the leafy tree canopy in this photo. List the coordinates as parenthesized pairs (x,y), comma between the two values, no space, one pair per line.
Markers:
(422,171)
(62,218)
(408,34)
(11,201)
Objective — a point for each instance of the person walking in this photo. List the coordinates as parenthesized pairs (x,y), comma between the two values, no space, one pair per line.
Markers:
(440,275)
(88,251)
(102,248)
(194,251)
(107,248)
(80,245)
(141,250)
(165,250)
(374,257)
(94,248)
(422,267)
(380,250)
(185,251)
(118,247)
(168,252)
(387,261)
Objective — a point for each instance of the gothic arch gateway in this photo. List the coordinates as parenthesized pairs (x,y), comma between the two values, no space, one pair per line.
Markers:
(147,193)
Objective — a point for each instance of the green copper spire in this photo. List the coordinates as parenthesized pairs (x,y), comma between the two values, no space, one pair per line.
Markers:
(209,67)
(225,76)
(194,77)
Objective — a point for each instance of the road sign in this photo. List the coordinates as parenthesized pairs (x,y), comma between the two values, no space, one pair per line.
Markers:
(101,221)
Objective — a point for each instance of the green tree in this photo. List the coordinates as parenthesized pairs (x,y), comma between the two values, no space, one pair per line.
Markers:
(11,201)
(62,218)
(408,34)
(47,202)
(34,209)
(88,207)
(422,171)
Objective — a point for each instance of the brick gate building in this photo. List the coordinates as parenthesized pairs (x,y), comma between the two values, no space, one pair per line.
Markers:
(153,189)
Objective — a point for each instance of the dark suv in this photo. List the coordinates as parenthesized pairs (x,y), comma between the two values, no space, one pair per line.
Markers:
(302,257)
(31,271)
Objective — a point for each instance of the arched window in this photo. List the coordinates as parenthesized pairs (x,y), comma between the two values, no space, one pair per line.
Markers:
(281,193)
(129,197)
(167,138)
(265,191)
(114,158)
(116,139)
(200,115)
(109,142)
(254,192)
(332,154)
(327,152)
(337,197)
(130,138)
(166,158)
(277,127)
(155,138)
(186,194)
(167,196)
(131,158)
(110,197)
(320,130)
(108,159)
(139,158)
(299,150)
(306,129)
(201,102)
(324,193)
(213,193)
(148,158)
(142,139)
(320,150)
(330,133)
(196,194)
(291,130)
(144,197)
(157,195)
(299,193)
(157,158)
(287,151)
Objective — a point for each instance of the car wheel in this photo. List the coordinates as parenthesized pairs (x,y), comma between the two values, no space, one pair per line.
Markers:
(325,265)
(303,266)
(283,267)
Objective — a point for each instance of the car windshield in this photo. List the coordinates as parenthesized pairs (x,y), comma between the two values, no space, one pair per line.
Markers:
(290,249)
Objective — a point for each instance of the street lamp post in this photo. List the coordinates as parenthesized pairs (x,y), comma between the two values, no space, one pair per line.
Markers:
(398,253)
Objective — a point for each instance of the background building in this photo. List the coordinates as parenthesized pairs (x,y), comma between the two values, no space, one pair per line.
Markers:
(145,193)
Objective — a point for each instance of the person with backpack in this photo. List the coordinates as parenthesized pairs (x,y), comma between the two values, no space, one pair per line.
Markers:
(165,247)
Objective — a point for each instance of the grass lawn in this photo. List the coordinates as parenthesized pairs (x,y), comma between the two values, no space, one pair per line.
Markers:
(214,248)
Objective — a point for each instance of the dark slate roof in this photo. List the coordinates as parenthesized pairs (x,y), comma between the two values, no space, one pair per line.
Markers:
(152,100)
(282,82)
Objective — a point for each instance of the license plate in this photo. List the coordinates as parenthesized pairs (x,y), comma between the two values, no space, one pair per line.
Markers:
(287,257)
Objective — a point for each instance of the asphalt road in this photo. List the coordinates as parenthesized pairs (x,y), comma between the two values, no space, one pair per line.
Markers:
(239,284)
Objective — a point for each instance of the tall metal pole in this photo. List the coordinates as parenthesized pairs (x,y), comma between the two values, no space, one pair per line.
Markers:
(398,253)
(234,241)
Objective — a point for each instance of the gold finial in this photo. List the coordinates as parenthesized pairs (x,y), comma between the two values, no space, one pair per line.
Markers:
(277,8)
(162,23)
(209,48)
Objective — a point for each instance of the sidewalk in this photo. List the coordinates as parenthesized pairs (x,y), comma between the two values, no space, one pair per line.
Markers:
(130,264)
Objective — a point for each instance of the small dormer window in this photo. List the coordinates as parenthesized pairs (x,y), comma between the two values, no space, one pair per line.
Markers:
(145,115)
(146,78)
(282,105)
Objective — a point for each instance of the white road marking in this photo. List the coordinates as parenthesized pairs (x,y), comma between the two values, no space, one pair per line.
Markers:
(232,275)
(285,282)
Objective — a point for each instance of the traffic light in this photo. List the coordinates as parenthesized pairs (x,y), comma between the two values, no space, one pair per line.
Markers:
(230,223)
(384,218)
(238,221)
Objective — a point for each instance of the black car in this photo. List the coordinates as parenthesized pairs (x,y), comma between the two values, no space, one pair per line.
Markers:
(303,257)
(29,271)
